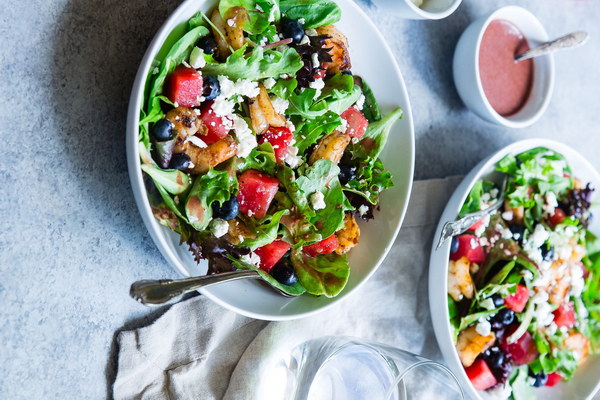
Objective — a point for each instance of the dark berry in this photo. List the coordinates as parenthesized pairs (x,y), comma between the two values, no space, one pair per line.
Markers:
(540,378)
(498,300)
(454,245)
(291,28)
(577,202)
(517,231)
(547,252)
(180,161)
(348,72)
(228,210)
(210,87)
(207,44)
(494,358)
(347,173)
(163,130)
(284,273)
(504,317)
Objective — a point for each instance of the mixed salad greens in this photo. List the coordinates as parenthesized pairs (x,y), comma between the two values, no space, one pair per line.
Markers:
(259,146)
(523,283)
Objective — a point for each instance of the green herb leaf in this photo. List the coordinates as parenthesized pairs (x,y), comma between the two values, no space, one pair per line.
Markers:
(315,12)
(172,180)
(295,290)
(214,186)
(322,275)
(266,230)
(259,13)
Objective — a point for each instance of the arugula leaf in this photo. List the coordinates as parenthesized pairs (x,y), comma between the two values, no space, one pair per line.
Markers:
(266,230)
(315,12)
(370,108)
(473,202)
(172,180)
(322,275)
(377,133)
(214,186)
(261,64)
(303,104)
(470,319)
(284,88)
(261,158)
(170,202)
(166,217)
(308,132)
(295,290)
(339,101)
(258,13)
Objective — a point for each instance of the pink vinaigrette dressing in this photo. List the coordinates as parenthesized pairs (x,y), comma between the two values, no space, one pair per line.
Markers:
(506,83)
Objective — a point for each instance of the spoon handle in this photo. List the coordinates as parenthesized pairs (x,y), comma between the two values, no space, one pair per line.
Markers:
(569,41)
(163,290)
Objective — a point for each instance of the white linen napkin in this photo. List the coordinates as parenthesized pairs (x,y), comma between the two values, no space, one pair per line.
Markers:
(199,350)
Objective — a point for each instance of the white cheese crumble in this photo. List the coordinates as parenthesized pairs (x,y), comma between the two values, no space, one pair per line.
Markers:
(302,21)
(279,105)
(317,200)
(362,210)
(501,392)
(251,258)
(508,215)
(196,141)
(223,107)
(315,60)
(550,204)
(245,137)
(318,84)
(343,127)
(197,58)
(488,304)
(269,83)
(218,227)
(311,32)
(483,226)
(360,102)
(543,314)
(304,40)
(484,328)
(291,156)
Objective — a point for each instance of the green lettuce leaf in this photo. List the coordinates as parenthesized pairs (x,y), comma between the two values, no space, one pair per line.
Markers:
(214,186)
(370,108)
(261,158)
(308,132)
(259,13)
(322,275)
(172,180)
(266,230)
(295,290)
(315,12)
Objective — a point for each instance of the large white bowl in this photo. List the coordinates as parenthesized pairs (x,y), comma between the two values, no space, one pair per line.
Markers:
(586,380)
(372,59)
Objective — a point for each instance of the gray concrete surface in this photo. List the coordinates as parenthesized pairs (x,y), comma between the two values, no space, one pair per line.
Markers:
(71,237)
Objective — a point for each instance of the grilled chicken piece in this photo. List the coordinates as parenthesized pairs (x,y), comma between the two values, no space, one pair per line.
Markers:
(238,231)
(220,33)
(262,112)
(186,122)
(331,147)
(470,344)
(460,283)
(212,155)
(347,236)
(337,42)
(518,212)
(580,345)
(235,18)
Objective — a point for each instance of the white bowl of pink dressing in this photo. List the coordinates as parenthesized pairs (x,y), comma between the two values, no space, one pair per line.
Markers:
(489,81)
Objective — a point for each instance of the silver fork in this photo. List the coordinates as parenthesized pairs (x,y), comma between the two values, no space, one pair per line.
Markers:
(453,228)
(153,292)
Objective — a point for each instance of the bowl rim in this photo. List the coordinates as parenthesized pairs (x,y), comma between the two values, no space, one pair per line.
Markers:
(440,257)
(139,190)
(548,90)
(434,15)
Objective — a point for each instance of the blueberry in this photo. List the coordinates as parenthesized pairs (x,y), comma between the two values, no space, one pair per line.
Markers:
(454,245)
(180,161)
(540,378)
(210,87)
(163,130)
(494,358)
(517,231)
(547,252)
(347,173)
(284,273)
(505,317)
(348,72)
(228,210)
(291,28)
(498,300)
(207,44)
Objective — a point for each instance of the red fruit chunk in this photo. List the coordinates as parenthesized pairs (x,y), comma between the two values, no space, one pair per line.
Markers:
(218,127)
(184,87)
(271,253)
(256,191)
(523,351)
(553,379)
(280,139)
(476,225)
(468,246)
(480,375)
(517,301)
(325,246)
(357,123)
(564,315)
(558,216)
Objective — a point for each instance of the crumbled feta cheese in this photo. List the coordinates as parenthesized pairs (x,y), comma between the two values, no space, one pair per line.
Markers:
(223,107)
(196,141)
(363,209)
(155,71)
(540,297)
(552,328)
(291,157)
(500,392)
(197,58)
(302,21)
(360,102)
(246,87)
(263,41)
(272,12)
(251,258)
(304,40)
(483,226)
(245,137)
(226,86)
(543,314)
(175,104)
(291,127)
(250,213)
(310,32)
(550,204)
(279,105)
(259,8)
(317,200)
(230,22)
(540,235)
(317,84)
(577,281)
(343,127)
(527,274)
(494,193)
(488,304)
(269,83)
(508,215)
(484,328)
(315,60)
(218,227)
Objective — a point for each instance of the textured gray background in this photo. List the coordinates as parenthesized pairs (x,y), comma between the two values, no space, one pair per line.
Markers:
(71,237)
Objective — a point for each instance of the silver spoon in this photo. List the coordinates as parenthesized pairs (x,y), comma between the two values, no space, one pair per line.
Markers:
(453,228)
(151,292)
(569,41)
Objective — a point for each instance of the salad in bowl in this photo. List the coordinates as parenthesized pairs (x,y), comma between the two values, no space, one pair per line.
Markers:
(523,287)
(259,146)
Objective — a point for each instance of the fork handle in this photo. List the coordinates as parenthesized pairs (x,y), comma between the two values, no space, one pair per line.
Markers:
(162,290)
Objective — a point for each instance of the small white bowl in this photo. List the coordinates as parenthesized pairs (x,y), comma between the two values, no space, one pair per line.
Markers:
(586,381)
(468,80)
(430,9)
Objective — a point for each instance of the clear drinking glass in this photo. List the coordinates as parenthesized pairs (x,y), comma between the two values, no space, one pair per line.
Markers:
(346,368)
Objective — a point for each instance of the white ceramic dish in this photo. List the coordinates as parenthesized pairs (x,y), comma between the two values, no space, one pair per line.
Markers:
(468,80)
(430,9)
(586,380)
(372,59)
